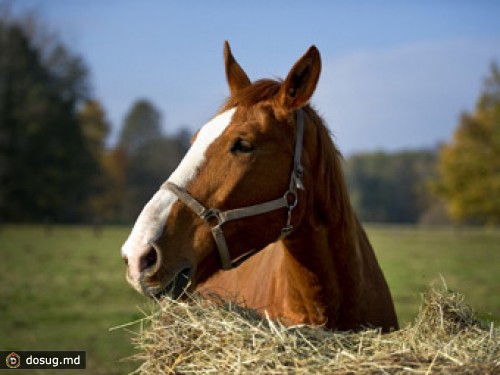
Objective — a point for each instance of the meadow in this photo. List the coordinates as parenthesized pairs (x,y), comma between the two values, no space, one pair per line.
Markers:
(64,288)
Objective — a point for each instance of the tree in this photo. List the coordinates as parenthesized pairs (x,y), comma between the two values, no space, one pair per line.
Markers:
(469,166)
(94,127)
(44,162)
(102,194)
(108,202)
(148,169)
(390,187)
(142,125)
(150,156)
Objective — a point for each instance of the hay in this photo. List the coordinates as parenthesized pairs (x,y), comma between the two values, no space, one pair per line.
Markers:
(199,337)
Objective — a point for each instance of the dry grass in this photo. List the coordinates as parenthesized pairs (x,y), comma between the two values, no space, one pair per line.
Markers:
(198,337)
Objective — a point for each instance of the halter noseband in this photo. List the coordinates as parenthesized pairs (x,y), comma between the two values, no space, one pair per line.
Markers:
(289,201)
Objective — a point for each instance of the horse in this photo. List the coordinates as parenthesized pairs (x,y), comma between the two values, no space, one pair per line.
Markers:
(258,211)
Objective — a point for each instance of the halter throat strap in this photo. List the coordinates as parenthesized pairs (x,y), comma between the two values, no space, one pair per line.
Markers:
(216,218)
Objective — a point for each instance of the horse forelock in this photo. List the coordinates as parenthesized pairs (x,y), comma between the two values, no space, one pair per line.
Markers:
(260,91)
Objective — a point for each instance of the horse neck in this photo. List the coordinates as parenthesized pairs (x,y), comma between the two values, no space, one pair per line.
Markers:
(328,248)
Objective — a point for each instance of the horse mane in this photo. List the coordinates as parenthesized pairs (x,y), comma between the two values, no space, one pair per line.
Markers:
(331,196)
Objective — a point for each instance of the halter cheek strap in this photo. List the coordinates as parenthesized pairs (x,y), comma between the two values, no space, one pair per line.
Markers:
(216,218)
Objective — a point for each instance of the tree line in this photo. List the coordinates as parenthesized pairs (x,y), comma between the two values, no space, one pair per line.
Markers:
(393,187)
(458,182)
(55,164)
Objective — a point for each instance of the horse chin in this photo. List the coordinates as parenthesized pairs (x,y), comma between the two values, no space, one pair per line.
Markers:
(174,289)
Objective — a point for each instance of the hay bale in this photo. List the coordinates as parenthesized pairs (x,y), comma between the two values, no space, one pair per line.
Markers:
(201,337)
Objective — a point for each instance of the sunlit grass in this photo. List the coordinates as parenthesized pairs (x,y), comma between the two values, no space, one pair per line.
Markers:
(63,290)
(468,259)
(66,288)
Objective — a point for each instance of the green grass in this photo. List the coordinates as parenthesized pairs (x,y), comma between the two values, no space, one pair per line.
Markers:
(468,260)
(64,290)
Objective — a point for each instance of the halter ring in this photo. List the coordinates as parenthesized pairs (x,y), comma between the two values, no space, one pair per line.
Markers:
(293,195)
(210,215)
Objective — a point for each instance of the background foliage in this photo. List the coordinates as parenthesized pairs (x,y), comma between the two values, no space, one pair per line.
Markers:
(56,164)
(392,187)
(43,154)
(469,166)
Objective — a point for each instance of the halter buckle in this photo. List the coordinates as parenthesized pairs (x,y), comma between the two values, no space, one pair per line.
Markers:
(210,215)
(294,200)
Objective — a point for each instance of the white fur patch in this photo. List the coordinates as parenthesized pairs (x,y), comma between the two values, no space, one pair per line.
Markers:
(196,155)
(153,217)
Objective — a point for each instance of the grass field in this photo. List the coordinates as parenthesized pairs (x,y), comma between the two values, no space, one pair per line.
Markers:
(467,259)
(63,290)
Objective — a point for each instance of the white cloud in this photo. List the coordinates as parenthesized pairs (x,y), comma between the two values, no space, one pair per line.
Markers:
(410,96)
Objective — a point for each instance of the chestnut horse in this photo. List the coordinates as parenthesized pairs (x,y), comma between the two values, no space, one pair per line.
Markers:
(258,210)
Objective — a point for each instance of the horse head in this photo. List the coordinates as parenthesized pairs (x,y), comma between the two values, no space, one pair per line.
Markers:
(238,188)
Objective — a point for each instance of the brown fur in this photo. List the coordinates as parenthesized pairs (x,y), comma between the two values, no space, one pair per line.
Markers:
(325,272)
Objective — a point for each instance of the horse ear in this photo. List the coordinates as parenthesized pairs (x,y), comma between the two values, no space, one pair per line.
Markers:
(236,77)
(301,82)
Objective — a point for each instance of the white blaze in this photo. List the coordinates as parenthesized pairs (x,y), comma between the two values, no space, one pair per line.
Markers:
(154,215)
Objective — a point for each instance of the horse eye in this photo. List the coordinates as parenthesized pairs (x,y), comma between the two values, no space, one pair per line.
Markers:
(242,146)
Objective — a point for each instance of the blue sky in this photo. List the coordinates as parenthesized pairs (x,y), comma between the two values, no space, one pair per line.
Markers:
(396,74)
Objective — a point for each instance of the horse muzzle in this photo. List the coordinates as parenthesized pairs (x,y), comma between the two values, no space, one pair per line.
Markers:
(147,275)
(172,289)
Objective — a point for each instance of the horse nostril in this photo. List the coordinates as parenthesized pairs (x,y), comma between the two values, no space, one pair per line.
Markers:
(125,259)
(149,259)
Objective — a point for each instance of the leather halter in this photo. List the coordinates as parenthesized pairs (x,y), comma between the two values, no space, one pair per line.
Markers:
(289,201)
